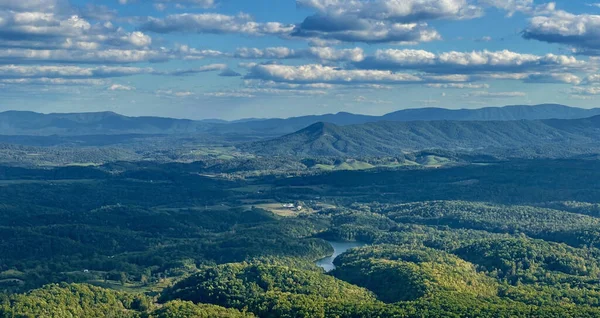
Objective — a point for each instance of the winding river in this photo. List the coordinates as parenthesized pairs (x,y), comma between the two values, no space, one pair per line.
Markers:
(338,248)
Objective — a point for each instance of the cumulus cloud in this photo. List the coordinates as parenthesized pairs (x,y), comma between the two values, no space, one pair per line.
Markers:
(380,21)
(54,81)
(262,84)
(331,54)
(214,23)
(68,71)
(187,53)
(119,87)
(49,30)
(320,53)
(57,32)
(105,56)
(550,78)
(346,29)
(267,53)
(403,11)
(466,62)
(585,91)
(592,78)
(582,31)
(315,73)
(442,70)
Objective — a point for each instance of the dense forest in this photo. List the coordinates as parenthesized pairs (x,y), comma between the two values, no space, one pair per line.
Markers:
(511,238)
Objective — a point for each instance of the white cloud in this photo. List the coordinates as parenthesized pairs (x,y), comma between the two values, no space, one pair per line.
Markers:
(105,56)
(315,73)
(320,53)
(458,85)
(66,71)
(199,3)
(174,93)
(137,38)
(511,6)
(405,11)
(331,54)
(585,91)
(119,87)
(256,84)
(380,21)
(366,100)
(549,78)
(345,29)
(231,94)
(466,62)
(593,78)
(484,39)
(53,81)
(267,53)
(214,23)
(257,91)
(486,94)
(33,5)
(582,31)
(50,30)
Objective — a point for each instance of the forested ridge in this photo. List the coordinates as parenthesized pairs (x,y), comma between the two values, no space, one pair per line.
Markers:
(27,123)
(504,239)
(389,138)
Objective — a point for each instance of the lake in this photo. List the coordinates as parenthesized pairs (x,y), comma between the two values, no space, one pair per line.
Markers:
(338,248)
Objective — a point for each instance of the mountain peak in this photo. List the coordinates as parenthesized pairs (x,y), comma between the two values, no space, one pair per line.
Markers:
(319,127)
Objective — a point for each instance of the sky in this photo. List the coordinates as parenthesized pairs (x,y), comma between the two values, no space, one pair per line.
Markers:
(233,59)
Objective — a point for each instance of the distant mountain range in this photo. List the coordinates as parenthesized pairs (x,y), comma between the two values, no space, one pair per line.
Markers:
(274,127)
(101,123)
(109,123)
(395,138)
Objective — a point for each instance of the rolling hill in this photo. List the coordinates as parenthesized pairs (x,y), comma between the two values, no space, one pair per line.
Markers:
(394,138)
(109,123)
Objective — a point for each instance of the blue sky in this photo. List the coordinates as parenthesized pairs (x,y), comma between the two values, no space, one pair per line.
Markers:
(279,58)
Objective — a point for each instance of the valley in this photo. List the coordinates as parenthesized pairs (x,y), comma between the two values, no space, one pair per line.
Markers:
(380,219)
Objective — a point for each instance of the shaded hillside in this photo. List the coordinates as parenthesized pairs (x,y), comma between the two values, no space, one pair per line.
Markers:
(393,138)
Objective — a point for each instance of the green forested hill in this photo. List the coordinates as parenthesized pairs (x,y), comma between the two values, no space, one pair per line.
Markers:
(144,240)
(394,138)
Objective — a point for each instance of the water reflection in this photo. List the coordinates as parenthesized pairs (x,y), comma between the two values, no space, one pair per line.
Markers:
(338,248)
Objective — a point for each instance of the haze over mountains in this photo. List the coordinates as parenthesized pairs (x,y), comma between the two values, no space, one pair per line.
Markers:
(109,123)
(551,129)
